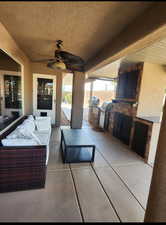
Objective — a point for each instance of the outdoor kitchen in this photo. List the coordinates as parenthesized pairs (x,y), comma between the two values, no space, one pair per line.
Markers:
(134,115)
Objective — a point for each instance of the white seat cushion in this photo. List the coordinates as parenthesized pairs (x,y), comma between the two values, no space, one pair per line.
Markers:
(15,134)
(43,124)
(30,117)
(23,132)
(44,137)
(19,142)
(43,118)
(30,124)
(26,133)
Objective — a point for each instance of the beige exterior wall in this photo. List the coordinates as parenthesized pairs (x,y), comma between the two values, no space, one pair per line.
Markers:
(153,143)
(8,45)
(41,68)
(27,89)
(153,85)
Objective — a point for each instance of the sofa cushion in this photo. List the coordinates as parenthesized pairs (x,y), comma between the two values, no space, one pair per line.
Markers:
(14,134)
(28,134)
(24,132)
(19,142)
(30,117)
(43,123)
(30,124)
(44,137)
(43,118)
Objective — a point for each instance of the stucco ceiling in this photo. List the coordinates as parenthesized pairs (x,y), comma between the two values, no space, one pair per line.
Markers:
(155,53)
(84,27)
(110,70)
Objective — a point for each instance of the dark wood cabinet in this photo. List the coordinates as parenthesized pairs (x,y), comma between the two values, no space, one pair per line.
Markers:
(127,85)
(140,138)
(122,127)
(117,124)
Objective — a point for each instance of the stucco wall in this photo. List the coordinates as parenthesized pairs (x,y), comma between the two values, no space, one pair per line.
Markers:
(153,85)
(43,69)
(153,143)
(8,45)
(77,99)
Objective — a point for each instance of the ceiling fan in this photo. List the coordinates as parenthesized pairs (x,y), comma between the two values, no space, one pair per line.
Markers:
(64,60)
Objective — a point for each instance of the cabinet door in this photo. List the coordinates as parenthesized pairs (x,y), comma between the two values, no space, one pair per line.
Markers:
(122,127)
(117,125)
(132,83)
(121,86)
(127,85)
(126,129)
(140,138)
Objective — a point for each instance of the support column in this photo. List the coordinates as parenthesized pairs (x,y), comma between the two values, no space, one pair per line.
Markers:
(77,99)
(58,98)
(156,207)
(91,92)
(90,101)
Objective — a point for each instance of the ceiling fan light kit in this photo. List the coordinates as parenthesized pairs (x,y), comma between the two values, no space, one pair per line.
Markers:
(57,65)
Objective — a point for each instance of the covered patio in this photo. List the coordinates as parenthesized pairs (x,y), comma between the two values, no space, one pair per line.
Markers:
(125,183)
(114,188)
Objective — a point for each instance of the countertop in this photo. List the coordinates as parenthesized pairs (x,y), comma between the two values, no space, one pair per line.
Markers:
(154,119)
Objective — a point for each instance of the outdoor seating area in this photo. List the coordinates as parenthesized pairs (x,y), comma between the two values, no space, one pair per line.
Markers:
(113,188)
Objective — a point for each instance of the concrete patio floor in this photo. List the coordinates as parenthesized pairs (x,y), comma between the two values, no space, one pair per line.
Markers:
(114,188)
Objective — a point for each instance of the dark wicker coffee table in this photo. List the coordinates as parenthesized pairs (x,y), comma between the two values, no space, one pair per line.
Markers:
(76,146)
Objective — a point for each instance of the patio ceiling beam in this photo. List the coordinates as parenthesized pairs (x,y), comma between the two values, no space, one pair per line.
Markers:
(102,78)
(149,27)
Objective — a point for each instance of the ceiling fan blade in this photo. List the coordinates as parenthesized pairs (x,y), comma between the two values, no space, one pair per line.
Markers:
(72,62)
(69,58)
(75,67)
(44,60)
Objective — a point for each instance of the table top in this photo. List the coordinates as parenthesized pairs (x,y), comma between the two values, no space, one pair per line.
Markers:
(76,137)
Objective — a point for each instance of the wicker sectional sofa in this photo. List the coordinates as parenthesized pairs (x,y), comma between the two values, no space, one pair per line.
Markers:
(22,167)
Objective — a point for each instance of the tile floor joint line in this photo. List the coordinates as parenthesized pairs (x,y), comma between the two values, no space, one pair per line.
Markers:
(78,201)
(98,147)
(123,181)
(106,194)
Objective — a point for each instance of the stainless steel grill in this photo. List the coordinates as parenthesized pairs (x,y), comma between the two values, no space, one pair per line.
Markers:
(104,115)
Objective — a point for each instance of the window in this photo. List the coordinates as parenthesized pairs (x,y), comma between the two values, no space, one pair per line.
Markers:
(12,87)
